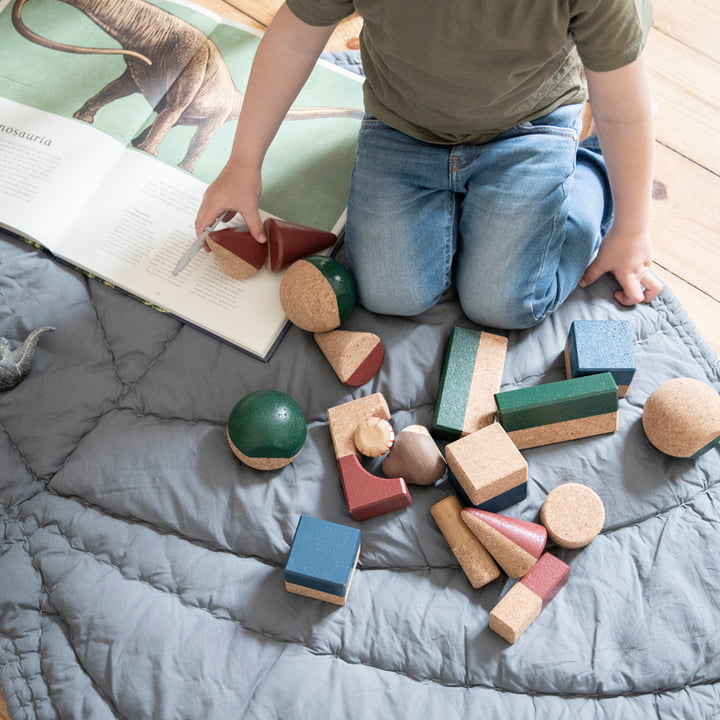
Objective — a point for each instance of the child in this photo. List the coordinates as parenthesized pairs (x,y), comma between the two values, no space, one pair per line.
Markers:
(468,167)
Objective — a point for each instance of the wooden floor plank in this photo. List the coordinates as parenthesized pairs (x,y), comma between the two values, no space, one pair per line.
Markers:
(685,221)
(692,22)
(686,91)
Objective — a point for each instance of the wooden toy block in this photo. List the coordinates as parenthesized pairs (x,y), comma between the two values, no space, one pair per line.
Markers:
(266,429)
(596,346)
(515,544)
(288,242)
(681,418)
(573,515)
(355,357)
(238,253)
(322,560)
(472,373)
(374,437)
(474,559)
(559,411)
(497,504)
(486,463)
(415,457)
(366,495)
(525,600)
(317,293)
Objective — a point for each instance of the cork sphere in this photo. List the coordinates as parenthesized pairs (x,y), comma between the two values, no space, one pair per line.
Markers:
(317,293)
(682,418)
(266,429)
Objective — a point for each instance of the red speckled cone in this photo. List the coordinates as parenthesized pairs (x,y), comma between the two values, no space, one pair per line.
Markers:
(240,256)
(515,544)
(288,242)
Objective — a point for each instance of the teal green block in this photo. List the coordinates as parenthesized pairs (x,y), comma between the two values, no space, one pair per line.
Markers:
(557,402)
(455,382)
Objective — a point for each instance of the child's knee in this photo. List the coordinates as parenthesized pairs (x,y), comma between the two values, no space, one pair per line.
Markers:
(393,299)
(497,312)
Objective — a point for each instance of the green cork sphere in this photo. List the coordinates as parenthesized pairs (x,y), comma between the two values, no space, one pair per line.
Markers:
(266,429)
(318,293)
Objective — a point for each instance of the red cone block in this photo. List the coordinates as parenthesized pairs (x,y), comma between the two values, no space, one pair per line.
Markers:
(288,242)
(240,256)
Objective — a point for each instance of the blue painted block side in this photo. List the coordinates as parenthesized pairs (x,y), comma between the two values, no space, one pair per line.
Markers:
(596,346)
(496,504)
(323,555)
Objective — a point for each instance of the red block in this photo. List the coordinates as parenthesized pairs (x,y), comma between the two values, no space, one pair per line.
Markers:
(547,577)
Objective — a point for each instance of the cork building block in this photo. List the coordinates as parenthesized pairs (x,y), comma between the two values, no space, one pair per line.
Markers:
(596,346)
(474,559)
(472,373)
(366,495)
(515,544)
(288,242)
(573,515)
(486,464)
(355,357)
(525,600)
(559,411)
(238,253)
(322,560)
(682,418)
(317,293)
(374,436)
(415,456)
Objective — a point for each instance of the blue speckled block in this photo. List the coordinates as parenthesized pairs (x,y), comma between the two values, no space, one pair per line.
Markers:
(323,555)
(596,346)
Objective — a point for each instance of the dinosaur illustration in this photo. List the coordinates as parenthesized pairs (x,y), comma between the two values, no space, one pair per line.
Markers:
(176,67)
(15,364)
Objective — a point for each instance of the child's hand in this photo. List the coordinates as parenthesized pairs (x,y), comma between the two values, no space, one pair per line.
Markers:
(628,258)
(236,189)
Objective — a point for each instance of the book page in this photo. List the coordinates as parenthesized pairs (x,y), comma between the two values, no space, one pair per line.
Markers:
(140,226)
(49,167)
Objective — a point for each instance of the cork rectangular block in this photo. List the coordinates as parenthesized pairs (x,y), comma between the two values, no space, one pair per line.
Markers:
(559,411)
(472,373)
(525,600)
(322,560)
(486,464)
(596,346)
(474,559)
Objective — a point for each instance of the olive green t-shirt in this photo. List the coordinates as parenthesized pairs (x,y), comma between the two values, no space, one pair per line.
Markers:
(461,71)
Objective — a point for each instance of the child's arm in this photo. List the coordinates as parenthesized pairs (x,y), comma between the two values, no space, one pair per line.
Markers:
(623,113)
(283,62)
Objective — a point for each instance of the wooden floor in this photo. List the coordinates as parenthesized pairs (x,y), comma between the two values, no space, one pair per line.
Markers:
(683,57)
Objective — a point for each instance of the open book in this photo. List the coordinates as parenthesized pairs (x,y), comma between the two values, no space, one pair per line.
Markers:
(97,167)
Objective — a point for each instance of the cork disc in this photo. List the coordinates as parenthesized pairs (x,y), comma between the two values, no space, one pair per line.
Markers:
(682,418)
(573,515)
(374,436)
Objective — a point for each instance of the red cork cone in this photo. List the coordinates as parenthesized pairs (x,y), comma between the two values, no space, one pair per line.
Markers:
(288,242)
(240,256)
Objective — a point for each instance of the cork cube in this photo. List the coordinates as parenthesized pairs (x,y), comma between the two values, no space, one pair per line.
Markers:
(596,346)
(322,560)
(486,464)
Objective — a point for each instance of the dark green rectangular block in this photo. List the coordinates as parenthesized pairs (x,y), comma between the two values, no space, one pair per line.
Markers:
(557,402)
(455,383)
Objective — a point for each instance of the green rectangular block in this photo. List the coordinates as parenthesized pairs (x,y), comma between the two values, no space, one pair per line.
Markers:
(455,383)
(556,402)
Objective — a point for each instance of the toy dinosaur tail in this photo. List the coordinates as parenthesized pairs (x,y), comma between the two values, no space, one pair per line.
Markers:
(28,34)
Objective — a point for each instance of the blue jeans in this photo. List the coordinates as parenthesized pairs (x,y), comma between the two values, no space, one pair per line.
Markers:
(512,223)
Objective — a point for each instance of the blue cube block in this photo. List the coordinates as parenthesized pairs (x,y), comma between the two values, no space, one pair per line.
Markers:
(597,346)
(323,556)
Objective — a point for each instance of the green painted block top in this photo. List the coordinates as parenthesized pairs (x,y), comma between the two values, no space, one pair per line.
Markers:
(340,280)
(557,402)
(267,424)
(455,383)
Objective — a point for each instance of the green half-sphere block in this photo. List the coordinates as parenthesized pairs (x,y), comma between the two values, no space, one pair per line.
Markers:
(266,429)
(318,293)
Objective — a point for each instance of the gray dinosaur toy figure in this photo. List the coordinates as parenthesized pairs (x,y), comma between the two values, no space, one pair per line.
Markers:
(15,364)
